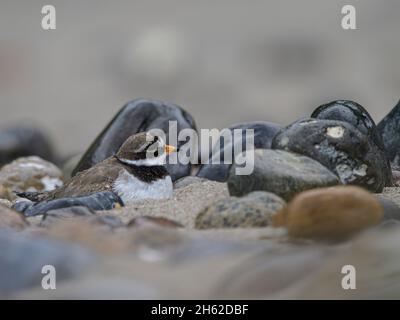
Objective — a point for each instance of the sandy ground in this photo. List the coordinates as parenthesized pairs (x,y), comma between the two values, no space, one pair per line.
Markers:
(184,263)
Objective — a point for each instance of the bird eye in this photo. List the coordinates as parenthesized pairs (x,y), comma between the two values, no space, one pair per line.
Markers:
(156,153)
(155,138)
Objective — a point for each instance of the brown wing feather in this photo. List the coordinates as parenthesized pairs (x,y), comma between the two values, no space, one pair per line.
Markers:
(95,179)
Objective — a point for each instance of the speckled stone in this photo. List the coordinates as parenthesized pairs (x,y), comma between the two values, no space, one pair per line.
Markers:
(341,148)
(280,172)
(253,210)
(330,213)
(353,113)
(31,174)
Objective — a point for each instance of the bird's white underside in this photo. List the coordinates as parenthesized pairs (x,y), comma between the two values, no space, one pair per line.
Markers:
(129,188)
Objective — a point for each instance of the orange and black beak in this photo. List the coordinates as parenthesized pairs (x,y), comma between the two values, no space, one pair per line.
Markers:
(169,149)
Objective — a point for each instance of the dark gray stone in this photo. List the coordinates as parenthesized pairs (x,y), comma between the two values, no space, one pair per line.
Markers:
(389,129)
(341,148)
(353,113)
(280,172)
(263,134)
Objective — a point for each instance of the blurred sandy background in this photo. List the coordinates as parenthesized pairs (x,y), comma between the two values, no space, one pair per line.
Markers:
(224,61)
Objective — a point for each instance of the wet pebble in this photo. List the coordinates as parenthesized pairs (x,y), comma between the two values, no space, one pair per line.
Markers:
(353,113)
(253,210)
(341,148)
(218,168)
(389,129)
(138,116)
(30,174)
(330,213)
(282,173)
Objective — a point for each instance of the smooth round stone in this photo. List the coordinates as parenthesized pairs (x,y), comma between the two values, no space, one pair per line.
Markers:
(11,219)
(282,173)
(330,213)
(353,113)
(252,211)
(20,141)
(138,116)
(389,129)
(31,174)
(341,148)
(263,134)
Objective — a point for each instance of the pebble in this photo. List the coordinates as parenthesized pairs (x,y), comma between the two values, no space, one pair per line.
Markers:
(11,219)
(389,130)
(254,210)
(106,200)
(22,141)
(138,116)
(150,221)
(353,113)
(30,174)
(341,148)
(23,257)
(263,134)
(65,213)
(282,173)
(330,213)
